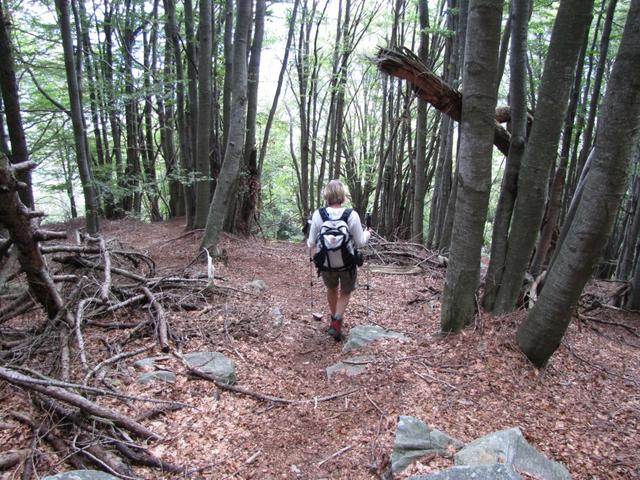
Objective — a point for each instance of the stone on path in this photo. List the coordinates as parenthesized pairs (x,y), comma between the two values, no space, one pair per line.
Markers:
(473,472)
(158,375)
(364,334)
(148,362)
(257,285)
(414,439)
(215,364)
(82,475)
(511,448)
(351,366)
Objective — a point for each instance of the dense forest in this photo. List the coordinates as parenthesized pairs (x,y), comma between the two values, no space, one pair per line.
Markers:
(501,137)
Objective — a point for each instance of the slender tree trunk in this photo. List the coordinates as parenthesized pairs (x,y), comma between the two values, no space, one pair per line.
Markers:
(566,41)
(541,333)
(228,67)
(203,166)
(233,150)
(518,97)
(250,183)
(476,148)
(11,100)
(84,166)
(420,187)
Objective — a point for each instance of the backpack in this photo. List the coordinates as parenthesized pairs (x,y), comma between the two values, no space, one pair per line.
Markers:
(335,249)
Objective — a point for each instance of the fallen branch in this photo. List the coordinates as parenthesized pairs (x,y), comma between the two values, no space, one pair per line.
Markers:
(337,454)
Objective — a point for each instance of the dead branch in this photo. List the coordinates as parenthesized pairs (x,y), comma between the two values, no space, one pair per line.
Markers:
(429,87)
(162,331)
(631,330)
(76,400)
(114,359)
(11,458)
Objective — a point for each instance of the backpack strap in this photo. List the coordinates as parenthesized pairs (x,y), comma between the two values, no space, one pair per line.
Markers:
(323,214)
(346,214)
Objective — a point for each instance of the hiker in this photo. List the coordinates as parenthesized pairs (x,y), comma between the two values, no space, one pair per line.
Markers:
(334,236)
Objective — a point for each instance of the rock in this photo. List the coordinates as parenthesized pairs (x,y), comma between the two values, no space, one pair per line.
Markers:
(82,475)
(278,318)
(215,364)
(511,448)
(414,439)
(475,472)
(148,363)
(351,366)
(159,375)
(365,334)
(256,284)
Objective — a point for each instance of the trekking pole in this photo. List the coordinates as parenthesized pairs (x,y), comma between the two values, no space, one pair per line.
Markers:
(316,316)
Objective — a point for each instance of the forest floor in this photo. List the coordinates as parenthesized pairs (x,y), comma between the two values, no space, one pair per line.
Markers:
(582,410)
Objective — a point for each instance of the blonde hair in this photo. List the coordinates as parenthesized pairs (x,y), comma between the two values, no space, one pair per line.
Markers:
(334,192)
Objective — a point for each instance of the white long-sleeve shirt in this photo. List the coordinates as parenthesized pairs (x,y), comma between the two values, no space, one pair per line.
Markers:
(360,237)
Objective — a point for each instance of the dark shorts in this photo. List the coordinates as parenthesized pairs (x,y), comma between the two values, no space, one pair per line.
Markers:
(346,280)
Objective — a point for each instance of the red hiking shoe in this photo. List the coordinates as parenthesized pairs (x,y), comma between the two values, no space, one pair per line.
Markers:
(335,329)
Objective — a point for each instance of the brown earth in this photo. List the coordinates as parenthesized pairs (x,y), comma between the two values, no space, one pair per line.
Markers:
(582,410)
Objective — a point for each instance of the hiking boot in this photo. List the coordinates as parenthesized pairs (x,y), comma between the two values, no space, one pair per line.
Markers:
(335,329)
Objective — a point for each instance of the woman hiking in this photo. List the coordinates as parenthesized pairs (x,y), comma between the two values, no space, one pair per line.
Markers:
(334,236)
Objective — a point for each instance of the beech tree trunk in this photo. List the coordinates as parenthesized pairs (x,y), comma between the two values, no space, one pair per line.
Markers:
(474,181)
(233,151)
(11,100)
(203,166)
(518,97)
(566,40)
(84,166)
(542,331)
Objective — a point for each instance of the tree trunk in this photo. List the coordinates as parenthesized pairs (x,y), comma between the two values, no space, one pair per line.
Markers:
(566,41)
(233,150)
(11,100)
(541,333)
(420,188)
(518,98)
(474,181)
(84,166)
(203,170)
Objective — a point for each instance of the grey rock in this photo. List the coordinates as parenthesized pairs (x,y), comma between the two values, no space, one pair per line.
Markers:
(414,439)
(158,375)
(365,334)
(351,366)
(257,284)
(149,362)
(511,448)
(82,475)
(278,318)
(214,363)
(475,472)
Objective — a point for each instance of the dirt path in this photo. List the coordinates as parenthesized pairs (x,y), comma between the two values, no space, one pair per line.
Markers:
(584,410)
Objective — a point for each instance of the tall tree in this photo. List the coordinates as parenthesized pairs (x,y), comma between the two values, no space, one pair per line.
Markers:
(203,130)
(541,151)
(518,100)
(80,138)
(542,331)
(476,149)
(233,151)
(11,100)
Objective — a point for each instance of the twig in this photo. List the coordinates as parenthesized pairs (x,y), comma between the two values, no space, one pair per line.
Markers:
(375,405)
(598,367)
(337,454)
(114,359)
(604,322)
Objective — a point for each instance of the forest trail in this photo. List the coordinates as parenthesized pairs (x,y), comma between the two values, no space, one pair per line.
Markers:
(583,410)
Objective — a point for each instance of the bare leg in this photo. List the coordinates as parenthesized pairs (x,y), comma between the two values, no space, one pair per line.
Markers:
(332,297)
(341,304)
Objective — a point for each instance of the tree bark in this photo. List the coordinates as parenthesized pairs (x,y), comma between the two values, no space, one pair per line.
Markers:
(233,150)
(566,41)
(518,97)
(542,331)
(474,181)
(80,138)
(203,170)
(11,100)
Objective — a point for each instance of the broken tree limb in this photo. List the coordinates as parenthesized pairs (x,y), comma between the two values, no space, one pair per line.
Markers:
(162,331)
(430,88)
(79,401)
